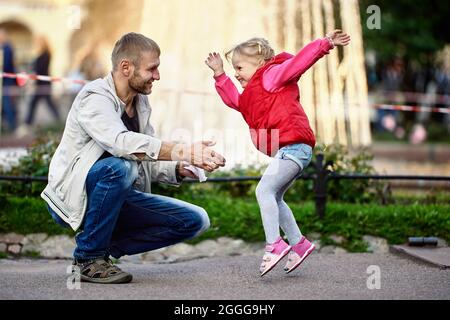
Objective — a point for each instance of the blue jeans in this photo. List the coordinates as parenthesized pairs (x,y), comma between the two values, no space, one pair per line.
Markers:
(9,110)
(121,220)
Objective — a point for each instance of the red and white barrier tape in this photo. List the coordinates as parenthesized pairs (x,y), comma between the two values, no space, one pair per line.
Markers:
(411,108)
(22,78)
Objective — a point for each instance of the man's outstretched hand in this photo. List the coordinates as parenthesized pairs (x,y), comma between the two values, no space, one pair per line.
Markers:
(201,155)
(198,154)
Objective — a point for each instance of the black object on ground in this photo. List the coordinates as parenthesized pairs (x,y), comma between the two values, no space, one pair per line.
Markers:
(422,241)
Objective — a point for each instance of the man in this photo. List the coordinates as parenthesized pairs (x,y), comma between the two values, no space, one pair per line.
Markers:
(9,108)
(99,177)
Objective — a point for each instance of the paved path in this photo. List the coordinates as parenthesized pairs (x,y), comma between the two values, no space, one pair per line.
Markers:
(322,276)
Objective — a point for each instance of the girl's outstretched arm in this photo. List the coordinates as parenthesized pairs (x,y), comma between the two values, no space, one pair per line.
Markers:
(278,75)
(224,86)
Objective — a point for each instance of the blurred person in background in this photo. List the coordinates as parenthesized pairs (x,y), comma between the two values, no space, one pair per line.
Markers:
(391,84)
(86,66)
(8,84)
(442,79)
(43,89)
(91,65)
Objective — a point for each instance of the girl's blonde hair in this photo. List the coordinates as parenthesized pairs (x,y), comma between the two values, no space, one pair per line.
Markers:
(255,47)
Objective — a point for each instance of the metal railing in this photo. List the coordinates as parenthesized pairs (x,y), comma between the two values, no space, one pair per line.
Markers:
(321,176)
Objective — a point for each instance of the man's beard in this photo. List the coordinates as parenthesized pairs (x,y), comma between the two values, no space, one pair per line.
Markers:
(139,85)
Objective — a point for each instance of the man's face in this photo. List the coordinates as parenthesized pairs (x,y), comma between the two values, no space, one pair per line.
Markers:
(143,76)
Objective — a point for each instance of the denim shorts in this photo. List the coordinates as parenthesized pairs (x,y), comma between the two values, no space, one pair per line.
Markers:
(300,153)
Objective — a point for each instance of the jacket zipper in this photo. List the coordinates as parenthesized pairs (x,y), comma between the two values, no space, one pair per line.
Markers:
(56,205)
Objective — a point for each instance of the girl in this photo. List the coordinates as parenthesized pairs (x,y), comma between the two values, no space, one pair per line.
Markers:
(279,128)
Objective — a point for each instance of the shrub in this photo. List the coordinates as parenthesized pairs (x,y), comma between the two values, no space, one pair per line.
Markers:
(36,164)
(240,218)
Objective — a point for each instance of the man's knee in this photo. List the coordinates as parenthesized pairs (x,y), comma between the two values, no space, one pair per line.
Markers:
(199,221)
(123,170)
(130,170)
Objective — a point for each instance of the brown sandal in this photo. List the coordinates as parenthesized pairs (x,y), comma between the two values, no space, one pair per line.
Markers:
(102,271)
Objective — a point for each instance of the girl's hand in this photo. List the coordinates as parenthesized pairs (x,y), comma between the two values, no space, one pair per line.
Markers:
(338,37)
(214,61)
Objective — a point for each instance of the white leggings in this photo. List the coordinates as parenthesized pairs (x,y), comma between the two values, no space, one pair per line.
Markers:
(275,213)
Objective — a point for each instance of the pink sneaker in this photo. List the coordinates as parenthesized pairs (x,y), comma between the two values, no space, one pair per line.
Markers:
(298,253)
(274,253)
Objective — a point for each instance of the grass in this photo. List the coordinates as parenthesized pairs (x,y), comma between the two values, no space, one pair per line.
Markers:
(239,218)
(421,196)
(31,254)
(28,215)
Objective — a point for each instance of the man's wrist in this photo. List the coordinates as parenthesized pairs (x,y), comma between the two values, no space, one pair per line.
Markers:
(181,152)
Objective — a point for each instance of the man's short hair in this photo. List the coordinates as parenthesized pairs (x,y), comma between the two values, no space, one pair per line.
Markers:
(130,47)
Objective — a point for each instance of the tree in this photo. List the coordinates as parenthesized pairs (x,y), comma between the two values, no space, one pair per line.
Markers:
(414,30)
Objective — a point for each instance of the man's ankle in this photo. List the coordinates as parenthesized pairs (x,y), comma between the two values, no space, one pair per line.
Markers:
(85,260)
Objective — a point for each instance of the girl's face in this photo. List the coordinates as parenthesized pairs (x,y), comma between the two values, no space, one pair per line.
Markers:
(245,67)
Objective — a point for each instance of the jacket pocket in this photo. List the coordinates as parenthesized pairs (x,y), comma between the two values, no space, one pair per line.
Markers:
(66,179)
(74,163)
